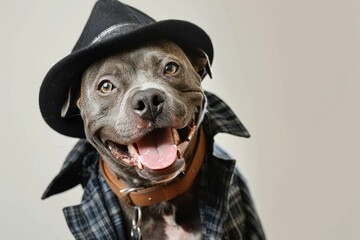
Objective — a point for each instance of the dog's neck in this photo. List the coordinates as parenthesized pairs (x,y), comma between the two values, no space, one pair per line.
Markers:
(162,192)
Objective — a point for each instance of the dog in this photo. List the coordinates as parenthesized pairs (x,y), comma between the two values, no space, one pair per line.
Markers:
(142,110)
(131,91)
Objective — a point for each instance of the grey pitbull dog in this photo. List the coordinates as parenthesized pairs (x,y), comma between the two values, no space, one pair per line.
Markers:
(141,110)
(149,165)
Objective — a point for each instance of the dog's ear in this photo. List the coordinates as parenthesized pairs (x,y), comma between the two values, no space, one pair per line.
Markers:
(200,61)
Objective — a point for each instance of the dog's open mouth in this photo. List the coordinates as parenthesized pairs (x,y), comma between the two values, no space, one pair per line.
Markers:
(156,152)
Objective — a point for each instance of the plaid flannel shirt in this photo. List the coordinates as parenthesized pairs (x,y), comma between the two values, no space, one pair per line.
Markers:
(226,208)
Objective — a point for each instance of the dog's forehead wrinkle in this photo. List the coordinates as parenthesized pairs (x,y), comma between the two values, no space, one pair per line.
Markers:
(116,66)
(112,68)
(155,52)
(157,85)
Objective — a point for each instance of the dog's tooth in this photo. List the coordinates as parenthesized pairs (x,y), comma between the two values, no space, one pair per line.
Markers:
(132,150)
(176,136)
(140,165)
(125,159)
(191,133)
(178,153)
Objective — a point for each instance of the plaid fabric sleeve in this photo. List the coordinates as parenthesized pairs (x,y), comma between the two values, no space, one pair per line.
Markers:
(242,222)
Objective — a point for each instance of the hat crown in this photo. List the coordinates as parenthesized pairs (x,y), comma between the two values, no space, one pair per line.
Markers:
(105,15)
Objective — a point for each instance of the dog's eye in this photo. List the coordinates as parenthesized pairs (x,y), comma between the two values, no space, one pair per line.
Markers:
(105,86)
(171,68)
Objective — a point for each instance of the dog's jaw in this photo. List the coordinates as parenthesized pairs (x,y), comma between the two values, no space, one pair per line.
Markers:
(133,153)
(159,155)
(162,157)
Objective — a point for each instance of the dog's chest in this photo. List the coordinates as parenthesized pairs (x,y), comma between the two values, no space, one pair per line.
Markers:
(175,232)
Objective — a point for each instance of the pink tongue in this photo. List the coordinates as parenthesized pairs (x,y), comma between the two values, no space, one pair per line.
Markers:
(157,150)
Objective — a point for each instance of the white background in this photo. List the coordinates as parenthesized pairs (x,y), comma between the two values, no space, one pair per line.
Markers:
(289,69)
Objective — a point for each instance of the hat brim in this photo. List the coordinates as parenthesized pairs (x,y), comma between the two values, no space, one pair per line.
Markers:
(68,71)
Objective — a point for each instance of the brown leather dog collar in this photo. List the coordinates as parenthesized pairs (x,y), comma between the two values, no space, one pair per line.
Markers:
(163,192)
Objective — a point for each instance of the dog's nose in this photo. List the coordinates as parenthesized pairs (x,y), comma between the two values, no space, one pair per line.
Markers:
(148,103)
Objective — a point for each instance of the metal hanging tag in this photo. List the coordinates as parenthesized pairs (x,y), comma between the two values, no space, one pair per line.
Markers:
(136,221)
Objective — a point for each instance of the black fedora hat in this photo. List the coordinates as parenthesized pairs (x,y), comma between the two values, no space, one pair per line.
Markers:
(111,27)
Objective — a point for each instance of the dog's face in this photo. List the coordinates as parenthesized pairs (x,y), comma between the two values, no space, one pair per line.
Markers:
(142,107)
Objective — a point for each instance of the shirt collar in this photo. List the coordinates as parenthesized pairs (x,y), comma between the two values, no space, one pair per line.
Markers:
(222,119)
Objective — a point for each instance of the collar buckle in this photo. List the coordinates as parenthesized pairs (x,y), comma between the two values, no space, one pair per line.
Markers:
(125,193)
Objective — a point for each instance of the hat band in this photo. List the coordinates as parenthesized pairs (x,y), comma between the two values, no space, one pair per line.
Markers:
(116,30)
